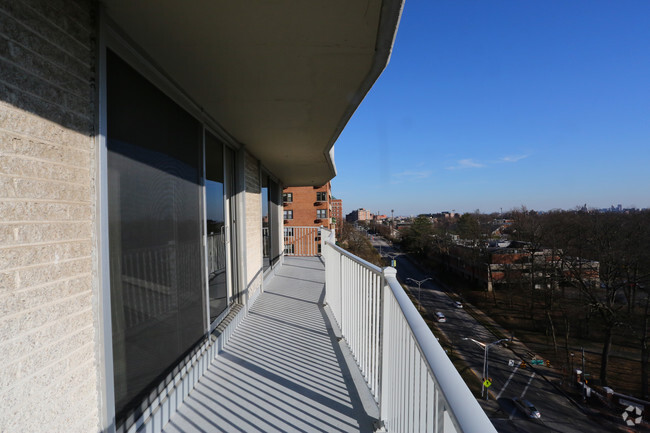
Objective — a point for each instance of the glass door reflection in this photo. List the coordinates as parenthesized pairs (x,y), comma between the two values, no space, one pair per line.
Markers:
(216,227)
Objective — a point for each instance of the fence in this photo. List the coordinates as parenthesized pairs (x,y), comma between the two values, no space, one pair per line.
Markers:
(413,381)
(302,241)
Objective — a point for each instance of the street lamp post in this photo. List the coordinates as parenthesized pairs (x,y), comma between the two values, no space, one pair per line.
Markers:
(419,283)
(486,363)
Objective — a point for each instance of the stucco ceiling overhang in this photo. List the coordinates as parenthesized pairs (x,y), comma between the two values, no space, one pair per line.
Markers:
(281,77)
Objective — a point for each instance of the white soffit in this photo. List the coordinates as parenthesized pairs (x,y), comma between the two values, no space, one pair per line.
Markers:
(282,77)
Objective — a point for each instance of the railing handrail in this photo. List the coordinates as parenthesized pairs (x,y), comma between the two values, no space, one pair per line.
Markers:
(454,390)
(376,269)
(406,331)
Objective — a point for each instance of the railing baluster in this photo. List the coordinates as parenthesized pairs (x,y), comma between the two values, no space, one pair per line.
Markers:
(405,368)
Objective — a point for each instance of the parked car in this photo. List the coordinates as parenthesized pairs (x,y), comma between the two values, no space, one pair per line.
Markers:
(527,407)
(458,304)
(440,317)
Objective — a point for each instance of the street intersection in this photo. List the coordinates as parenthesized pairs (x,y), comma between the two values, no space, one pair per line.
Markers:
(507,376)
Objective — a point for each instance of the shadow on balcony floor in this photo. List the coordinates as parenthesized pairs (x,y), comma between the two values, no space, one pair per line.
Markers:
(283,370)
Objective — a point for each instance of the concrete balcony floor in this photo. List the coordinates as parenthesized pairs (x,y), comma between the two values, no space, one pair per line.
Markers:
(283,369)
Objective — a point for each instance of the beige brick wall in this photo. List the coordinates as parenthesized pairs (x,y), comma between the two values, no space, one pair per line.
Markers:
(48,379)
(253,223)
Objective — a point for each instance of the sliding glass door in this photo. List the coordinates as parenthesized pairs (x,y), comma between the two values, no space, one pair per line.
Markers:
(155,233)
(219,176)
(171,224)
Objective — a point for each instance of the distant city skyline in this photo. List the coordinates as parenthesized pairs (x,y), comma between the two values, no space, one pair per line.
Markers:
(494,105)
(613,208)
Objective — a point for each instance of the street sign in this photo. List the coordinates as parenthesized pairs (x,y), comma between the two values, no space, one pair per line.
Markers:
(511,363)
(536,362)
(487,383)
(393,263)
(629,415)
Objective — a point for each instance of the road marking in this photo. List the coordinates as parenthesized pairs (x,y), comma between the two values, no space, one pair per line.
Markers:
(532,376)
(507,382)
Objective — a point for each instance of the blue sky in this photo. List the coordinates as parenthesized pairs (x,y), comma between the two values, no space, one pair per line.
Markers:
(497,104)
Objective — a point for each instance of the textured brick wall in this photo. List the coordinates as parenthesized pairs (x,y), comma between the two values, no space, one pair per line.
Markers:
(48,379)
(253,223)
(304,206)
(337,210)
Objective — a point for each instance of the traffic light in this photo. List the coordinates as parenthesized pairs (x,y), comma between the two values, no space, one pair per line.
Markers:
(548,363)
(523,364)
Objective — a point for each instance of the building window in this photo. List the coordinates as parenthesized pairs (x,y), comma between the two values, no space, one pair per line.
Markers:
(288,231)
(219,170)
(288,214)
(266,234)
(288,249)
(155,220)
(321,196)
(321,213)
(287,197)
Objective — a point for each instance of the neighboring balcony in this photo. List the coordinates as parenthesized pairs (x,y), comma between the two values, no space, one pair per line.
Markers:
(333,344)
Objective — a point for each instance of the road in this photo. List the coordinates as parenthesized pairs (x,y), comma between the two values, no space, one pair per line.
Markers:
(559,414)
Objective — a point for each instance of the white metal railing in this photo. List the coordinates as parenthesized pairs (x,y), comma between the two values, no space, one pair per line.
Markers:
(151,280)
(353,292)
(302,241)
(216,253)
(413,381)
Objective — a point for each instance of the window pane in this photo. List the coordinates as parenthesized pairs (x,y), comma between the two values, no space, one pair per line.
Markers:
(216,225)
(157,306)
(266,234)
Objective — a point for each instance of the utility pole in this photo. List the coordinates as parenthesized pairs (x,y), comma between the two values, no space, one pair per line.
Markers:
(584,376)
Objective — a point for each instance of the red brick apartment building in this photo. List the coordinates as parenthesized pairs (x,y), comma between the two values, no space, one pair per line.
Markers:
(305,210)
(337,211)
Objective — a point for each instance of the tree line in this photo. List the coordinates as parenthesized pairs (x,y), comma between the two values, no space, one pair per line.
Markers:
(586,273)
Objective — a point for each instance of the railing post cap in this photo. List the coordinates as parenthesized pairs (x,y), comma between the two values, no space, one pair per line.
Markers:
(390,272)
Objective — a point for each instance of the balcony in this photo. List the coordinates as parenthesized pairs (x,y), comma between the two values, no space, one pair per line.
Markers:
(333,344)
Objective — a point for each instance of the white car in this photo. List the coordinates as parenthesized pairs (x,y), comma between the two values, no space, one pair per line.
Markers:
(440,317)
(458,304)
